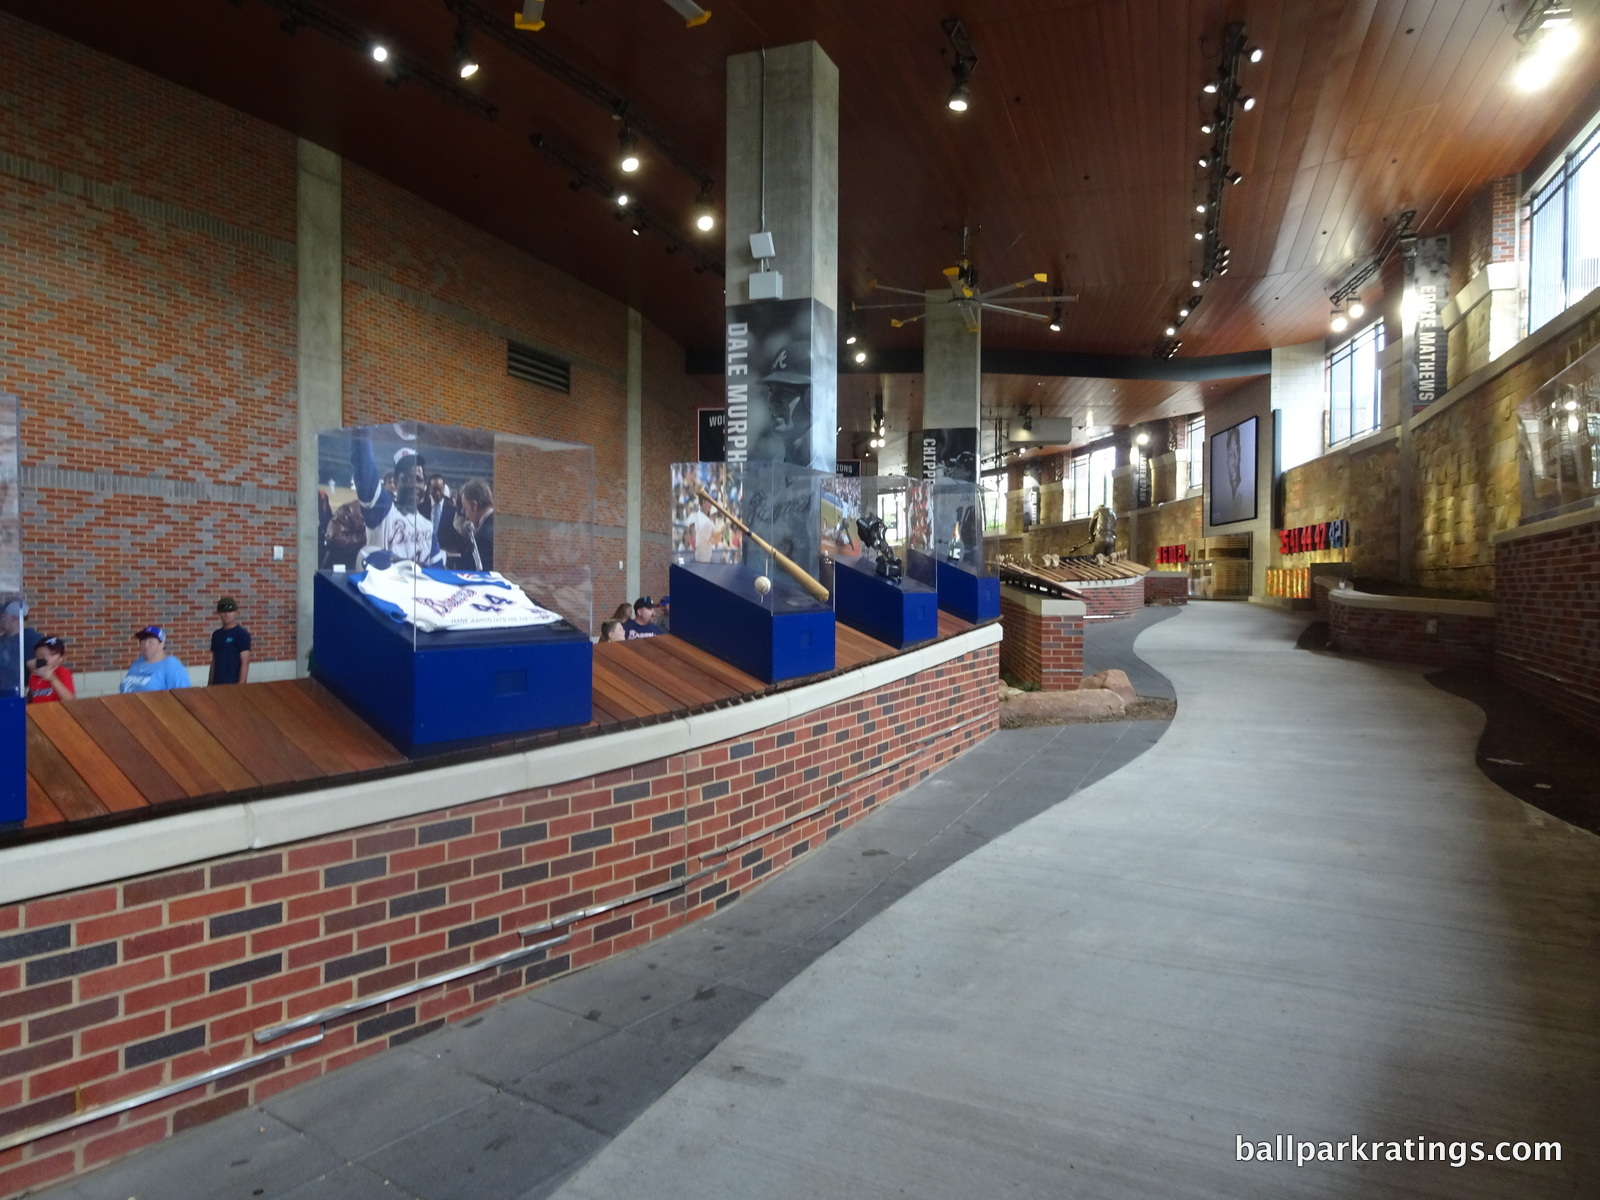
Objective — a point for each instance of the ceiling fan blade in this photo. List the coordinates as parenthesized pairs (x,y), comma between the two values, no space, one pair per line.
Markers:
(531,17)
(691,12)
(1021,283)
(884,287)
(1016,312)
(865,307)
(901,323)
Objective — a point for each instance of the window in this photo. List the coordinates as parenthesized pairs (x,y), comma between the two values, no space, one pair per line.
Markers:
(1353,386)
(1192,460)
(1564,234)
(1088,481)
(994,502)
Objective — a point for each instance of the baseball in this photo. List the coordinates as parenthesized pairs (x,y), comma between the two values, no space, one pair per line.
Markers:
(763,584)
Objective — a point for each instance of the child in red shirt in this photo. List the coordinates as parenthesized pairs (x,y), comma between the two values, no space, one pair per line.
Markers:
(50,681)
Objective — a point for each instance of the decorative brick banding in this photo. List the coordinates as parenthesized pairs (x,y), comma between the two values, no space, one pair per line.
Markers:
(113,990)
(1547,605)
(1438,633)
(1166,587)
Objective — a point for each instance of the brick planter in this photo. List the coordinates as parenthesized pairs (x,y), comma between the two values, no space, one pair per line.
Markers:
(1043,639)
(1166,587)
(1111,598)
(1415,629)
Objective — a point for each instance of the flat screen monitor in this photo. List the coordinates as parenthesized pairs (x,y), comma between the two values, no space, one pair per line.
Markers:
(1232,463)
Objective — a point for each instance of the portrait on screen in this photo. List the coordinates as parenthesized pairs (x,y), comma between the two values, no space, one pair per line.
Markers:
(1232,463)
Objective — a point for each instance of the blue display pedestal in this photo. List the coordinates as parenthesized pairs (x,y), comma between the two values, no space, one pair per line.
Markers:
(900,613)
(971,597)
(786,635)
(13,759)
(448,687)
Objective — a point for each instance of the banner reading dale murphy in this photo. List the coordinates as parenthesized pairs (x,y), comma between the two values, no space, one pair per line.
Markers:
(782,383)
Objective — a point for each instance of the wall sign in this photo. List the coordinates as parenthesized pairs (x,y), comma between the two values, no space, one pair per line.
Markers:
(1329,535)
(713,425)
(1424,366)
(849,467)
(781,379)
(1171,555)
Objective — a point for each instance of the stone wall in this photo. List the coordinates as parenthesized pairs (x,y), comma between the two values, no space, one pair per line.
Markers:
(1358,484)
(1173,524)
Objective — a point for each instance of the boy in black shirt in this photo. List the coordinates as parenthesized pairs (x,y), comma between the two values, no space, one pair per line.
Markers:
(230,645)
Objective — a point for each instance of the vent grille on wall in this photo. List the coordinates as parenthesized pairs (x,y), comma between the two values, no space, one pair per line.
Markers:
(524,362)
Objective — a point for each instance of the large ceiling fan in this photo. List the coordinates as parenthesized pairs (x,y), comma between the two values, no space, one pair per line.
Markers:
(532,15)
(964,293)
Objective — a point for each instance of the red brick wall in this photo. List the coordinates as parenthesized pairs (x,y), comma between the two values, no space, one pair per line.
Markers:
(1404,636)
(1547,618)
(1114,600)
(1044,651)
(1486,233)
(148,333)
(1171,587)
(151,334)
(118,989)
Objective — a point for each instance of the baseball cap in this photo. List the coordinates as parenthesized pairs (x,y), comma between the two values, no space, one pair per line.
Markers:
(227,604)
(644,602)
(150,631)
(55,643)
(665,601)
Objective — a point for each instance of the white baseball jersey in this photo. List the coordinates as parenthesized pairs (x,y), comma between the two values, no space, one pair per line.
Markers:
(433,599)
(705,536)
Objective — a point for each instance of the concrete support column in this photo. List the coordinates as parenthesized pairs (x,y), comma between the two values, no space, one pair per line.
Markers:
(952,383)
(319,404)
(783,180)
(635,516)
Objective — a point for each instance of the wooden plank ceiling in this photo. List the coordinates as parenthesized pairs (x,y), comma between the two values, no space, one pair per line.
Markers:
(1077,156)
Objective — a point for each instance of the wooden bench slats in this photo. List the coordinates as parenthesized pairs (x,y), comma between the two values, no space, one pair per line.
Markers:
(56,778)
(137,761)
(621,691)
(41,809)
(678,689)
(187,739)
(260,749)
(359,741)
(746,685)
(316,743)
(664,659)
(100,775)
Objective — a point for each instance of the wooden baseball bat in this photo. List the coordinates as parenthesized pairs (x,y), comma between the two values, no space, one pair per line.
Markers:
(794,569)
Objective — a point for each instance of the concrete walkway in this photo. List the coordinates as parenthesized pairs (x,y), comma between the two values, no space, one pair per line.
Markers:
(1303,912)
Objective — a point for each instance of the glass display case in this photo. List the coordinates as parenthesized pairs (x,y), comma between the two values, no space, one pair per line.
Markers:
(747,575)
(869,525)
(454,594)
(953,561)
(13,622)
(1560,442)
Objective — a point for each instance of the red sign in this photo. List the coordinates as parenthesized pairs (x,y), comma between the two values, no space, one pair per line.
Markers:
(1171,555)
(1329,535)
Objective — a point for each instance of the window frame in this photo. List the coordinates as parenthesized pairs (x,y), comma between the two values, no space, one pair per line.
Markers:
(1346,355)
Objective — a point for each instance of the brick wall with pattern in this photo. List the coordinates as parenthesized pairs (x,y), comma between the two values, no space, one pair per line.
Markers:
(113,990)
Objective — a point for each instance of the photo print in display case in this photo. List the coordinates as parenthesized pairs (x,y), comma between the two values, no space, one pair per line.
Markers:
(747,577)
(454,596)
(1231,459)
(14,652)
(953,560)
(869,525)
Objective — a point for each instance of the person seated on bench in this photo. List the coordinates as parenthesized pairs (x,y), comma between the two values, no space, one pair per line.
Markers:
(154,670)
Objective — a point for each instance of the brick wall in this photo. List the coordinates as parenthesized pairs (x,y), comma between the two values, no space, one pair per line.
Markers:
(1122,598)
(1547,626)
(147,253)
(147,259)
(1404,636)
(1487,231)
(114,990)
(1166,587)
(1044,651)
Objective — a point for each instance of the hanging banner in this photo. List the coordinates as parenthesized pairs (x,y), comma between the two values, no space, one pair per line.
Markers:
(712,427)
(946,455)
(850,468)
(1424,365)
(781,379)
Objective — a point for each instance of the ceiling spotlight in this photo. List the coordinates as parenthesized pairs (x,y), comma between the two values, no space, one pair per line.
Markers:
(1199,208)
(1194,301)
(1055,320)
(705,219)
(1207,127)
(704,222)
(1357,310)
(1571,406)
(1199,235)
(630,148)
(960,95)
(1222,270)
(1235,178)
(1204,161)
(861,356)
(1171,329)
(1197,283)
(1247,102)
(1211,87)
(1183,312)
(466,64)
(850,340)
(380,52)
(1338,322)
(1143,439)
(1257,54)
(622,199)
(637,229)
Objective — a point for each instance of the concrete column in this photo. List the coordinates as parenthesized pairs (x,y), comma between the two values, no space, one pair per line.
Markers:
(783,133)
(319,242)
(783,180)
(952,377)
(634,524)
